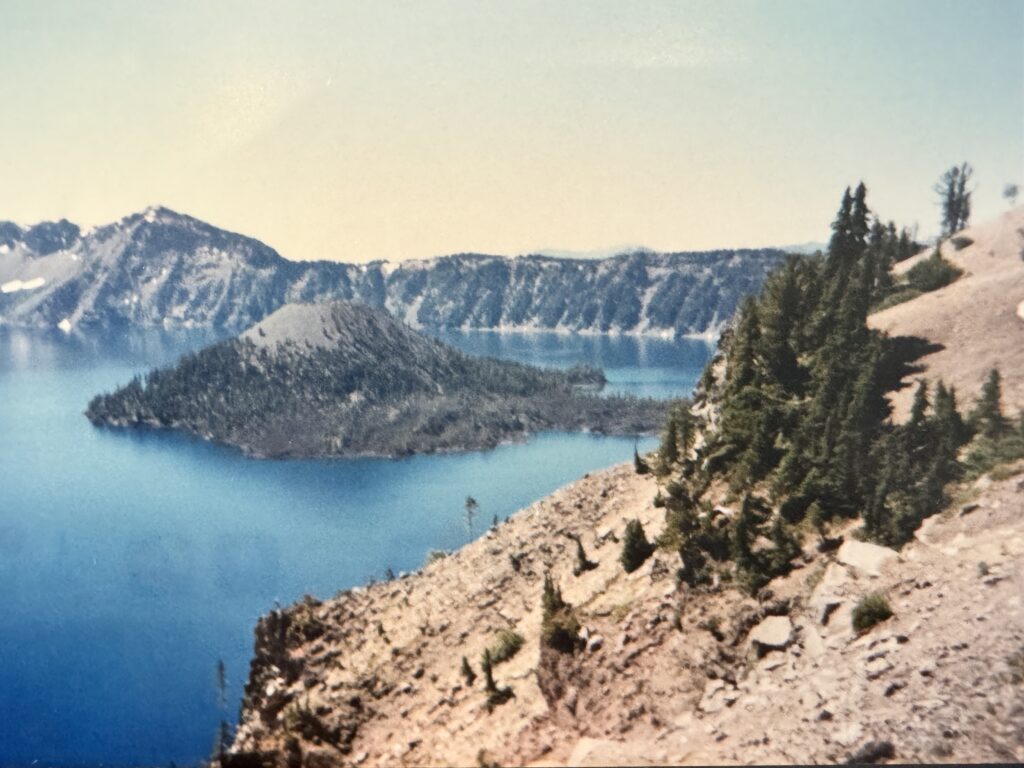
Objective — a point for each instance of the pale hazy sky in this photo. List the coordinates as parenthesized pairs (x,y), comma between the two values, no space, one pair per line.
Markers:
(355,131)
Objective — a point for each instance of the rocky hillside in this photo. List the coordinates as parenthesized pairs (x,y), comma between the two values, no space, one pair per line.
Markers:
(977,322)
(373,677)
(159,268)
(845,650)
(344,379)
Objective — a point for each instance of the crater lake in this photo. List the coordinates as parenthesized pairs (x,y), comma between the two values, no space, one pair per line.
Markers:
(131,562)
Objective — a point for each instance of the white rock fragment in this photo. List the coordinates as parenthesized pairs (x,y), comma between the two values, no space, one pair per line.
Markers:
(867,558)
(774,633)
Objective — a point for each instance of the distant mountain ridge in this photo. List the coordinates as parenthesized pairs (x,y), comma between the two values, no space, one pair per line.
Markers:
(159,268)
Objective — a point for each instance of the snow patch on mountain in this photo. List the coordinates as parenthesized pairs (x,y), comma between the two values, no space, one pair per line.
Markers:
(14,286)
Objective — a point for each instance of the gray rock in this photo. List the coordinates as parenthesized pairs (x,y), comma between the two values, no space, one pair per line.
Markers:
(849,735)
(877,667)
(773,661)
(774,633)
(867,558)
(828,594)
(813,644)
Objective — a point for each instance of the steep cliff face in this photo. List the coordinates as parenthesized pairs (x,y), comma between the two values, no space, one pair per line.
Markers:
(159,268)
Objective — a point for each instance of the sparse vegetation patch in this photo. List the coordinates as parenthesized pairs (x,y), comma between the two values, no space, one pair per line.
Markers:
(870,611)
(559,625)
(508,644)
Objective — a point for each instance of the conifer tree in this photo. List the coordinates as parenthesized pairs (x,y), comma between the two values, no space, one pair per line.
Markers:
(471,506)
(743,536)
(955,198)
(816,518)
(639,465)
(669,452)
(919,408)
(785,545)
(782,314)
(551,597)
(743,348)
(875,513)
(859,214)
(635,547)
(987,417)
(559,625)
(840,242)
(950,430)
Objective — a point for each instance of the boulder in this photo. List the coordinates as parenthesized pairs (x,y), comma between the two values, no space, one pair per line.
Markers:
(873,752)
(813,643)
(773,661)
(775,633)
(866,558)
(827,595)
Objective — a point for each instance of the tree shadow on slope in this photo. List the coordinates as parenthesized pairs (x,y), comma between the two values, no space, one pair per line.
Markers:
(902,356)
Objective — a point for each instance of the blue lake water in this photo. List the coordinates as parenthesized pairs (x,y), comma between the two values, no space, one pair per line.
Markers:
(131,562)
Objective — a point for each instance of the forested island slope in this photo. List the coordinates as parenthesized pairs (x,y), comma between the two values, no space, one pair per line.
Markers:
(791,556)
(343,379)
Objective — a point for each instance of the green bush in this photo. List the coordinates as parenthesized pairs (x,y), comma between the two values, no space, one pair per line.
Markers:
(985,454)
(560,631)
(932,273)
(870,611)
(900,295)
(635,547)
(508,645)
